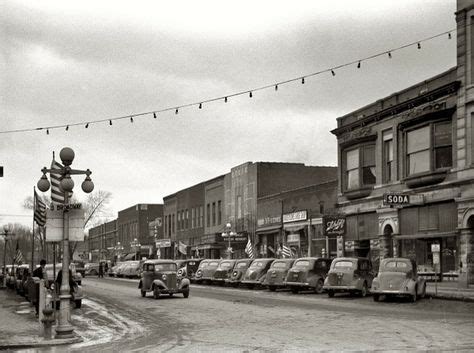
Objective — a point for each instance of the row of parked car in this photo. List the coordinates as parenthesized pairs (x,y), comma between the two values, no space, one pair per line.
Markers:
(395,277)
(19,278)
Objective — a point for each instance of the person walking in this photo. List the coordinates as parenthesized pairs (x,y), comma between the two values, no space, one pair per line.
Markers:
(41,274)
(101,270)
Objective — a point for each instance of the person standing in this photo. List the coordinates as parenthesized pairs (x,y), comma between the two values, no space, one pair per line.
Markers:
(101,270)
(39,272)
(106,267)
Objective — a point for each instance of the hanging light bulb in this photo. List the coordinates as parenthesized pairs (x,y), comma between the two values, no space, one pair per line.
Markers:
(449,35)
(276,87)
(389,55)
(225,100)
(67,127)
(200,105)
(302,80)
(176,111)
(358,65)
(87,125)
(419,45)
(47,131)
(131,119)
(154,115)
(333,73)
(250,94)
(110,122)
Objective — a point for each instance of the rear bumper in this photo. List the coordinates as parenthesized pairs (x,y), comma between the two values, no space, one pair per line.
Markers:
(248,281)
(297,284)
(341,288)
(391,292)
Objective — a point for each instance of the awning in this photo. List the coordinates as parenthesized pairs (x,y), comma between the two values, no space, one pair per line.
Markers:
(206,247)
(295,227)
(427,235)
(269,229)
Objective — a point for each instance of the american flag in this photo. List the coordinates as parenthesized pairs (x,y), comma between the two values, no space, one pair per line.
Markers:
(249,249)
(40,211)
(286,251)
(57,195)
(19,256)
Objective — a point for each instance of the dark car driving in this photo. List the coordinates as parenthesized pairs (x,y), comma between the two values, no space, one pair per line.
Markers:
(160,277)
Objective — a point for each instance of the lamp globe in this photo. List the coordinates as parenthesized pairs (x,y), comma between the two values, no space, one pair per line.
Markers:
(67,156)
(43,184)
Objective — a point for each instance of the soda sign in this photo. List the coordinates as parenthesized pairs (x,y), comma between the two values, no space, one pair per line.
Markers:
(334,225)
(396,199)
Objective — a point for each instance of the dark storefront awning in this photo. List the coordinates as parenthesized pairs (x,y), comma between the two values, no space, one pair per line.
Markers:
(292,227)
(269,229)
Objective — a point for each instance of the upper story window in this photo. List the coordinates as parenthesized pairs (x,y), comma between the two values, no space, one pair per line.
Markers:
(359,167)
(387,159)
(429,148)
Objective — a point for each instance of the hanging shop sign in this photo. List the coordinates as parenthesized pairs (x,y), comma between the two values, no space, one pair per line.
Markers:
(55,225)
(163,243)
(295,216)
(268,221)
(334,225)
(396,199)
(293,238)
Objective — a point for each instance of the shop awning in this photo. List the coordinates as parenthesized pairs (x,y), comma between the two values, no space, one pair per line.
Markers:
(206,247)
(269,229)
(295,227)
(427,236)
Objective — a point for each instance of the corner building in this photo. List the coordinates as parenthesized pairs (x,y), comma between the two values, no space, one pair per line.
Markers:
(416,144)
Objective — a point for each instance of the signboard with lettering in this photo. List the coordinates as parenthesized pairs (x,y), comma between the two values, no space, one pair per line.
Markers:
(268,221)
(61,207)
(334,225)
(293,238)
(295,216)
(163,243)
(394,199)
(54,225)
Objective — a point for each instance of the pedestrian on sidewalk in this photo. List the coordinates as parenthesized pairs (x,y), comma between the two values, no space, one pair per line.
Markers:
(106,267)
(101,270)
(39,272)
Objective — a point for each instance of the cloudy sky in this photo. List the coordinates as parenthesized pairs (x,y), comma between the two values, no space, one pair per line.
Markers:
(66,62)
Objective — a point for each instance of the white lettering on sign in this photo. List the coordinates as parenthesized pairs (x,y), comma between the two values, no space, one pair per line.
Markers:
(335,225)
(435,248)
(396,199)
(295,216)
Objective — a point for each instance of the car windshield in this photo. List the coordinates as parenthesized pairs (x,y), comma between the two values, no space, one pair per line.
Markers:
(257,264)
(302,263)
(344,264)
(165,267)
(280,264)
(395,266)
(241,265)
(226,265)
(214,263)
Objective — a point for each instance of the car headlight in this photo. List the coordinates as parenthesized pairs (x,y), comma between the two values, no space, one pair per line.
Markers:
(180,271)
(234,274)
(163,277)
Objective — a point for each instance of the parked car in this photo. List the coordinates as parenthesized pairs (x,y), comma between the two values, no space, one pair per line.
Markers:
(11,279)
(79,265)
(255,274)
(205,272)
(114,269)
(76,290)
(189,270)
(49,268)
(22,274)
(131,269)
(238,272)
(349,274)
(160,277)
(91,269)
(308,273)
(275,277)
(398,277)
(223,271)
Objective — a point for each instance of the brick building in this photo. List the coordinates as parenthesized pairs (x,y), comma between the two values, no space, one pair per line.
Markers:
(102,240)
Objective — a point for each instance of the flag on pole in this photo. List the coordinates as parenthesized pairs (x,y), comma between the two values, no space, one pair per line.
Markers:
(182,248)
(19,256)
(57,194)
(249,249)
(286,251)
(39,210)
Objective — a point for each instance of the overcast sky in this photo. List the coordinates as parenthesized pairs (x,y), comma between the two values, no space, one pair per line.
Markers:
(65,62)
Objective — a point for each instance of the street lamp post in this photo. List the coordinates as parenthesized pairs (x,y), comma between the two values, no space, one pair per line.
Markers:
(135,244)
(6,233)
(118,250)
(228,234)
(64,328)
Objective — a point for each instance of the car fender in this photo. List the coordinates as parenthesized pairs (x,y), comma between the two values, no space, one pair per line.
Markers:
(184,283)
(313,280)
(159,283)
(421,283)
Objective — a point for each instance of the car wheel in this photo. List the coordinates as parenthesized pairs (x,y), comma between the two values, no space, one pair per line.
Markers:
(272,288)
(78,303)
(319,286)
(156,293)
(250,286)
(295,290)
(363,291)
(143,293)
(331,293)
(423,292)
(186,293)
(414,296)
(376,297)
(170,294)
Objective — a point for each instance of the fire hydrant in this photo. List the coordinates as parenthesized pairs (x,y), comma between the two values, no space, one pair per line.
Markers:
(48,319)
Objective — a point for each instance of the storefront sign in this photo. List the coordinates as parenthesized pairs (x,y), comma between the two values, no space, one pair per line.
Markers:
(435,248)
(210,238)
(334,225)
(295,216)
(163,243)
(268,221)
(293,238)
(55,229)
(396,199)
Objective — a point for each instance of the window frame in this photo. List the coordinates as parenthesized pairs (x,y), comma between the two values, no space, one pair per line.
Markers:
(360,147)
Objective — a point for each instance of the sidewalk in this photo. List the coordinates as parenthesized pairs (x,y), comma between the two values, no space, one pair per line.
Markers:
(450,290)
(19,326)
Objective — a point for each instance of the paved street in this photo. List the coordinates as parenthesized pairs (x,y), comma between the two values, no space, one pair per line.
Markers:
(217,318)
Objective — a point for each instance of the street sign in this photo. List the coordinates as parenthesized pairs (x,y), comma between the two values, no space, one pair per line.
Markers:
(55,229)
(396,199)
(61,207)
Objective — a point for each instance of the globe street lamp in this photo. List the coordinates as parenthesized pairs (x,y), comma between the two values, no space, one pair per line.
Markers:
(64,328)
(135,244)
(228,234)
(118,250)
(6,234)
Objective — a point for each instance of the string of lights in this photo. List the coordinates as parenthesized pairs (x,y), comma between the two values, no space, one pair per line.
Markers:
(249,92)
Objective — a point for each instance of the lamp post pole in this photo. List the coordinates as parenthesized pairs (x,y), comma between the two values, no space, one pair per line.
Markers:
(228,234)
(64,328)
(6,233)
(135,244)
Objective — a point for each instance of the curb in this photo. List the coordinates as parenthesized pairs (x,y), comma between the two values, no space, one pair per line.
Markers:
(38,344)
(447,296)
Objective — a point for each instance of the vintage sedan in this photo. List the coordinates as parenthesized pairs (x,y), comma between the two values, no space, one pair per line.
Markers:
(398,277)
(224,271)
(349,274)
(205,272)
(238,272)
(255,274)
(51,282)
(22,274)
(131,269)
(275,277)
(160,277)
(308,273)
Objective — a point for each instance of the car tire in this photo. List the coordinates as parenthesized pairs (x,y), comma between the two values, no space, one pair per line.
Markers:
(78,303)
(143,293)
(186,293)
(250,286)
(295,290)
(170,294)
(364,290)
(376,297)
(331,293)
(319,286)
(156,293)
(272,288)
(423,292)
